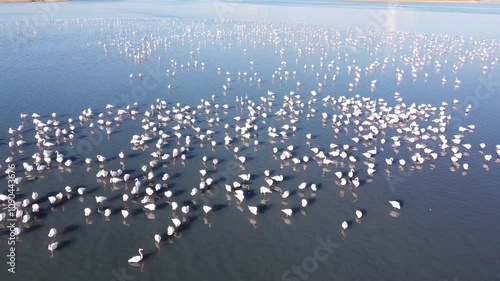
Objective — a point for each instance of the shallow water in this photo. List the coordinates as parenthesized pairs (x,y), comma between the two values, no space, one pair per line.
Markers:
(446,229)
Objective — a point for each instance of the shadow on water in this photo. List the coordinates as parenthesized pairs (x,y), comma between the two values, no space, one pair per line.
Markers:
(64,244)
(250,194)
(186,226)
(42,213)
(148,255)
(220,180)
(401,202)
(262,208)
(311,201)
(164,237)
(178,193)
(190,204)
(176,175)
(356,173)
(136,212)
(70,228)
(32,228)
(190,156)
(128,171)
(218,207)
(116,210)
(162,205)
(21,195)
(171,185)
(362,182)
(91,190)
(116,197)
(133,155)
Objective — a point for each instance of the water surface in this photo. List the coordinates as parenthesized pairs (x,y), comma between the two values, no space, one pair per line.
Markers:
(446,229)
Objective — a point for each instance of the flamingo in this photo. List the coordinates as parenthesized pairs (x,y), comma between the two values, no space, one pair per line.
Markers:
(150,207)
(207,209)
(52,233)
(345,225)
(288,212)
(124,213)
(253,210)
(303,203)
(52,248)
(100,199)
(395,204)
(157,238)
(359,214)
(138,258)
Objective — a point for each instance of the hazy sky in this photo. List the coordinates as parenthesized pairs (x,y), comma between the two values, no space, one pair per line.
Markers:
(430,18)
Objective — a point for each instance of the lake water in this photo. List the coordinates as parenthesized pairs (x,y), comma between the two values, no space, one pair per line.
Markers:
(81,56)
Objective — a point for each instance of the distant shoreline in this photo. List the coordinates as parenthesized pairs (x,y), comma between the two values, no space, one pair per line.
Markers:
(29,1)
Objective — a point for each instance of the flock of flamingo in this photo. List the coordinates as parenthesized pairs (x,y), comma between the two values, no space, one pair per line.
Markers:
(172,134)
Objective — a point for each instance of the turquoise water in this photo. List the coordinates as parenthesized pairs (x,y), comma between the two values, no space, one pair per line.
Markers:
(446,229)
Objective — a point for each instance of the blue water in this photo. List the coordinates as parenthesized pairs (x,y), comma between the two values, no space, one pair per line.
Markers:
(446,230)
(484,8)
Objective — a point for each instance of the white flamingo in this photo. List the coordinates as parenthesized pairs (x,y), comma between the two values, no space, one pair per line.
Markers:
(52,233)
(288,212)
(345,225)
(52,247)
(359,214)
(395,204)
(138,258)
(253,210)
(207,209)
